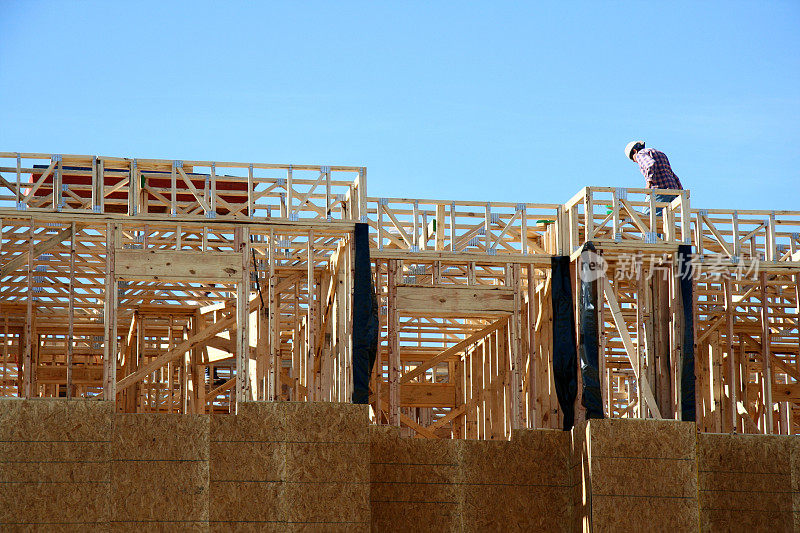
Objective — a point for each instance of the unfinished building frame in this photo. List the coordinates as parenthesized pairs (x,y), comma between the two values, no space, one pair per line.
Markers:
(193,286)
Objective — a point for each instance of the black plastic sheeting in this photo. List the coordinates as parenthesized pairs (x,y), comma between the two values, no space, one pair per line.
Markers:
(588,343)
(687,357)
(365,316)
(565,357)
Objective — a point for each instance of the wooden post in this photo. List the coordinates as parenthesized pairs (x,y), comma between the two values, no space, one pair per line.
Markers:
(394,347)
(27,378)
(110,318)
(729,319)
(766,355)
(71,311)
(515,352)
(273,342)
(588,215)
(533,311)
(243,388)
(439,230)
(311,346)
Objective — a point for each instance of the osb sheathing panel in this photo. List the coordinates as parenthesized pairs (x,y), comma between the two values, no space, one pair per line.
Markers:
(517,485)
(415,483)
(643,475)
(748,482)
(247,468)
(327,471)
(160,471)
(54,464)
(580,479)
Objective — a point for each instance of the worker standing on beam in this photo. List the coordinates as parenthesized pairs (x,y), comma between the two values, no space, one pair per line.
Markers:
(656,170)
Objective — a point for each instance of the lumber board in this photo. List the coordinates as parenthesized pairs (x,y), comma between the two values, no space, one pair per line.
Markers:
(454,301)
(201,266)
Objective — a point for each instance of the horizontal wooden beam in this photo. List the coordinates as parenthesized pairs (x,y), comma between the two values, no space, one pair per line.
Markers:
(160,265)
(454,301)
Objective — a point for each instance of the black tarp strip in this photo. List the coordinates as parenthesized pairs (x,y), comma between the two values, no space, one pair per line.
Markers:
(565,358)
(588,346)
(365,316)
(687,356)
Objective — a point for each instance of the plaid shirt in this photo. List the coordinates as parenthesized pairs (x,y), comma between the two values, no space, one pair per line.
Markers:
(657,172)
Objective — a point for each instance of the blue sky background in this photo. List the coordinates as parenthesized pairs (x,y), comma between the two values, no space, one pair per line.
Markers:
(475,101)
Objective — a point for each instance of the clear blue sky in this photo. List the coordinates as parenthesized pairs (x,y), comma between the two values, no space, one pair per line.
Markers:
(475,101)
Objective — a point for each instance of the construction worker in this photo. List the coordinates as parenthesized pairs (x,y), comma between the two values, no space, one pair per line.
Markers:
(656,170)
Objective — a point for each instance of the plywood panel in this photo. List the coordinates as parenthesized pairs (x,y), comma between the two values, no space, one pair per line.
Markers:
(327,466)
(160,473)
(415,483)
(455,301)
(54,464)
(247,468)
(643,475)
(519,485)
(746,482)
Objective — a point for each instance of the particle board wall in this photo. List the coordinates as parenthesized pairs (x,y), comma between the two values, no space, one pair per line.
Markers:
(517,485)
(160,472)
(247,454)
(414,483)
(642,475)
(75,465)
(54,464)
(451,485)
(290,467)
(580,480)
(749,482)
(327,479)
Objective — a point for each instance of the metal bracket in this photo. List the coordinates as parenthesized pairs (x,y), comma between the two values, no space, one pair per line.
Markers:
(97,209)
(414,248)
(364,219)
(57,158)
(211,214)
(280,182)
(294,217)
(21,206)
(734,259)
(495,218)
(383,201)
(491,251)
(618,236)
(622,193)
(520,207)
(795,236)
(325,169)
(702,212)
(650,237)
(177,163)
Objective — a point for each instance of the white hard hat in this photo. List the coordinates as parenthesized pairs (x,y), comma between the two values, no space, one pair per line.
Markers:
(633,145)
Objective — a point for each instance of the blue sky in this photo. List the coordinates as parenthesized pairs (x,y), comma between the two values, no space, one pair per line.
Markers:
(474,101)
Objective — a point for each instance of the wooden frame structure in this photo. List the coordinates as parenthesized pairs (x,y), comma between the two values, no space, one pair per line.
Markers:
(193,286)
